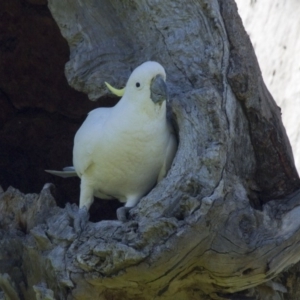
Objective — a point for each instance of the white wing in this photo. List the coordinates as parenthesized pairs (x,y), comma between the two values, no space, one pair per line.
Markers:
(170,153)
(87,137)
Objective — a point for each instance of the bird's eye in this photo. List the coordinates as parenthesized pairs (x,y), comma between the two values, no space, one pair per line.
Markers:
(137,84)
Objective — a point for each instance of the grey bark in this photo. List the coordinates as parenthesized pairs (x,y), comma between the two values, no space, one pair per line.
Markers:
(224,220)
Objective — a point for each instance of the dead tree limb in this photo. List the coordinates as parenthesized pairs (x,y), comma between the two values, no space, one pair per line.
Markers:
(225,219)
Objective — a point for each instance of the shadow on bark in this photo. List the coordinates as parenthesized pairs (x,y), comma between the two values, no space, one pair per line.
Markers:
(223,223)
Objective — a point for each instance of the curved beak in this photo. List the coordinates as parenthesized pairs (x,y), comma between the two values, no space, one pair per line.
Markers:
(158,89)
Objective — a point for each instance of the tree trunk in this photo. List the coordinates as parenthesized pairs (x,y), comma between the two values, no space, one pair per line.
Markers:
(224,220)
(278,57)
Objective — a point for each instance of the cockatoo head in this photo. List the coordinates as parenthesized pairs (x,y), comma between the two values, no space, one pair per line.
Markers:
(146,82)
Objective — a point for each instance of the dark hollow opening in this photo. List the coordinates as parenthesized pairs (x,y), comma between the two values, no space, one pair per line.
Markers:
(39,112)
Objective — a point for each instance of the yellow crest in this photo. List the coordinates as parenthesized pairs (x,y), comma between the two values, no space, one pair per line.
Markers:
(115,91)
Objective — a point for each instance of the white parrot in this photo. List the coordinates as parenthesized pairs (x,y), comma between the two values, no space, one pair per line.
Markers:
(123,151)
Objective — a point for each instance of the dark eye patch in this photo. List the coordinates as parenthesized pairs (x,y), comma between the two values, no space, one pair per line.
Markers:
(137,84)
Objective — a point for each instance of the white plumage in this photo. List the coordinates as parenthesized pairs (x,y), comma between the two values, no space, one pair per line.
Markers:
(121,152)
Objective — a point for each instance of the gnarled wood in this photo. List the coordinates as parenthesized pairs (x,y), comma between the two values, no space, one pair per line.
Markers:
(225,219)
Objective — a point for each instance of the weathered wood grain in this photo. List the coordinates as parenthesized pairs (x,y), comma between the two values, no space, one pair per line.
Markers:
(224,220)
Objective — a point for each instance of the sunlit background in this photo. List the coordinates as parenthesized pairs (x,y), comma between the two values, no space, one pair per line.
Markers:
(274,29)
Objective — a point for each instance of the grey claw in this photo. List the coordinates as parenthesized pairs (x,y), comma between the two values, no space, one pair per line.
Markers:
(80,217)
(122,213)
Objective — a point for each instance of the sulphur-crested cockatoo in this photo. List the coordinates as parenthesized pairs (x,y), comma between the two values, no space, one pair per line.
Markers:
(123,151)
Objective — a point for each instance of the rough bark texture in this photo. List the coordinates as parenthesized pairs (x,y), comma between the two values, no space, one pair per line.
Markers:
(224,220)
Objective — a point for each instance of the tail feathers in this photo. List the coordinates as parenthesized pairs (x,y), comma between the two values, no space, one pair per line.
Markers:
(71,168)
(67,172)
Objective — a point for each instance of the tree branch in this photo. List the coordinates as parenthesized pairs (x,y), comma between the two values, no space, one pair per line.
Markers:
(198,232)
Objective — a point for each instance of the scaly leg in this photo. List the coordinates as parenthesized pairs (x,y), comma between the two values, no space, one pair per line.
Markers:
(123,211)
(86,194)
(85,202)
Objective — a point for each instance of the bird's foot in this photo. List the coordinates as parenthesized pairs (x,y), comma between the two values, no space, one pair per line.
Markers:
(122,213)
(80,217)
